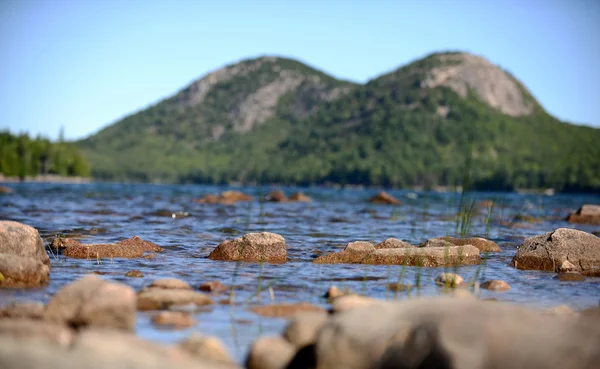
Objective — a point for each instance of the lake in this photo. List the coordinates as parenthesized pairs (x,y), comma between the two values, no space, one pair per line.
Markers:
(189,231)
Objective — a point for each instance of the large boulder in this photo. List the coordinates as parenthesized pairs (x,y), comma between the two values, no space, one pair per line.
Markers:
(454,333)
(484,245)
(550,251)
(23,258)
(27,330)
(252,247)
(417,256)
(587,214)
(133,247)
(93,302)
(270,353)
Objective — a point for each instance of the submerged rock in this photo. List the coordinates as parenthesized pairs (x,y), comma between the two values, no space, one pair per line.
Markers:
(213,287)
(495,285)
(133,247)
(5,190)
(418,256)
(300,197)
(170,284)
(23,258)
(449,280)
(385,198)
(161,298)
(276,196)
(176,319)
(549,251)
(570,277)
(226,198)
(285,310)
(252,247)
(134,274)
(587,214)
(93,302)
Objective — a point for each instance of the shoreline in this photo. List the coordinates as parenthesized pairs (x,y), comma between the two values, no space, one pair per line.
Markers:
(49,178)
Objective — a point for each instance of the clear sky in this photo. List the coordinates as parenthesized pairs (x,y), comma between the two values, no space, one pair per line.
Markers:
(85,64)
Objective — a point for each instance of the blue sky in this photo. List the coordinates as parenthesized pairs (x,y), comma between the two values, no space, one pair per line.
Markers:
(85,64)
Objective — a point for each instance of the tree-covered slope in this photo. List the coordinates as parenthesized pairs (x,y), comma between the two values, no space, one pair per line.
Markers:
(441,120)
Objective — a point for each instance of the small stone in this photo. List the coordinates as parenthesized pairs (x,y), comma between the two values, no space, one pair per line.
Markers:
(495,285)
(398,287)
(276,196)
(252,247)
(449,280)
(385,198)
(170,284)
(213,287)
(177,319)
(134,274)
(285,310)
(566,266)
(300,197)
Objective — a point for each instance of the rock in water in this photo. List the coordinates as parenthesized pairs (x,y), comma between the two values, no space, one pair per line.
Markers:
(23,258)
(550,250)
(385,198)
(252,247)
(587,214)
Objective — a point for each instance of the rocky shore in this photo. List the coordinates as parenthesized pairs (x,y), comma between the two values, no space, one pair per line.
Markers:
(90,322)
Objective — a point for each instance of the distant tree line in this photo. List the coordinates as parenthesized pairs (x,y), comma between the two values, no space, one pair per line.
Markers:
(23,156)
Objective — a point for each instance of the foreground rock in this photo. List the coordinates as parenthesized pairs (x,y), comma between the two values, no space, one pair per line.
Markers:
(417,256)
(93,302)
(252,247)
(206,348)
(226,198)
(302,330)
(587,214)
(25,310)
(384,198)
(27,330)
(133,247)
(482,244)
(270,353)
(99,349)
(551,250)
(454,333)
(23,258)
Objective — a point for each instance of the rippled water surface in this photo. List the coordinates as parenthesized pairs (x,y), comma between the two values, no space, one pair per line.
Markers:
(112,212)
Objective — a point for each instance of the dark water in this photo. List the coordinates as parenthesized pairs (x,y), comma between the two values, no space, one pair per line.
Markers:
(112,212)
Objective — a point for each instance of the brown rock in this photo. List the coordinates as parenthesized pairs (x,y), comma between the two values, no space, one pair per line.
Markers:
(206,348)
(170,284)
(495,285)
(226,197)
(398,287)
(19,271)
(418,256)
(570,277)
(449,280)
(549,251)
(393,243)
(28,310)
(5,190)
(22,240)
(213,287)
(28,330)
(252,247)
(133,247)
(285,310)
(561,310)
(567,267)
(160,298)
(385,198)
(270,353)
(587,214)
(482,244)
(334,292)
(134,274)
(302,330)
(300,197)
(92,301)
(177,319)
(276,196)
(360,246)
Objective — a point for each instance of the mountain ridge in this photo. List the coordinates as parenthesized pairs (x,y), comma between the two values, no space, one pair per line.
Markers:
(274,119)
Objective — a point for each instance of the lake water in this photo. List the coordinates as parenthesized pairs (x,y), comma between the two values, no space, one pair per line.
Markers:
(111,212)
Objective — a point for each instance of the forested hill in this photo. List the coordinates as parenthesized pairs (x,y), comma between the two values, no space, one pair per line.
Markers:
(442,120)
